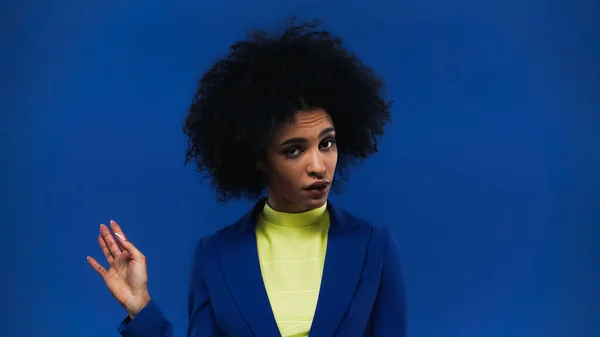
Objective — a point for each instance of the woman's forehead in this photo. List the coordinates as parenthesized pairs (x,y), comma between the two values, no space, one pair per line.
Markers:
(306,122)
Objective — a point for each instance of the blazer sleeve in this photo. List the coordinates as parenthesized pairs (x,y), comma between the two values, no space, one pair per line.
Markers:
(388,317)
(150,322)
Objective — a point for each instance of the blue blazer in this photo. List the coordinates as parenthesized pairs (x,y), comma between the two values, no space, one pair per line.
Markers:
(362,289)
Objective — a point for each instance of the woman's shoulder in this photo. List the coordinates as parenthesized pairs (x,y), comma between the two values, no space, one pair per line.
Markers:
(375,228)
(208,243)
(381,234)
(345,221)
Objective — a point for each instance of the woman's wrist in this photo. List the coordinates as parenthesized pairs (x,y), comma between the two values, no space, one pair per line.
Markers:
(135,308)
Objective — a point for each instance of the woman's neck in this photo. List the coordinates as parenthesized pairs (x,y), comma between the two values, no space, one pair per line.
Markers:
(284,205)
(305,218)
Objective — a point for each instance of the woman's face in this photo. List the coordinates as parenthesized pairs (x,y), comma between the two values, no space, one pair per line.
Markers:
(300,163)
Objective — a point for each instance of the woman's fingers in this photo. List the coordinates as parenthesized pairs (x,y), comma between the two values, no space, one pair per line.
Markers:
(117,230)
(111,248)
(127,246)
(96,266)
(110,242)
(133,252)
(104,248)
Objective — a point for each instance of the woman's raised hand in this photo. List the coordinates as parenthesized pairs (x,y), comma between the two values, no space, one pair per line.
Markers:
(126,277)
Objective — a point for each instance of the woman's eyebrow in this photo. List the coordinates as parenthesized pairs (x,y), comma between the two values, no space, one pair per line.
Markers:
(297,140)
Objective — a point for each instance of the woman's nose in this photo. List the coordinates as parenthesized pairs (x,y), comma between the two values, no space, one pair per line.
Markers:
(316,166)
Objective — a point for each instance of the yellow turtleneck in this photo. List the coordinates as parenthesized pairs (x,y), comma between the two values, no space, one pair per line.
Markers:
(291,250)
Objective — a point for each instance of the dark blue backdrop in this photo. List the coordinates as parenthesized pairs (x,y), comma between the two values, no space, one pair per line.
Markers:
(489,175)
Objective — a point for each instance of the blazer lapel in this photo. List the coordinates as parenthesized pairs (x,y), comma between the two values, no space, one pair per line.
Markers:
(346,249)
(241,268)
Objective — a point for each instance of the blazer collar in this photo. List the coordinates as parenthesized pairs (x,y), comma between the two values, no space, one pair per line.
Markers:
(341,220)
(346,250)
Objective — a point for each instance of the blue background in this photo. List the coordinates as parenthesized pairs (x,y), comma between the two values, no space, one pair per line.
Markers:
(489,174)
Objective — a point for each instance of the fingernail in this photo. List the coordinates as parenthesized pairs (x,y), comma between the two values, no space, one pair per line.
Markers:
(120,237)
(102,225)
(112,222)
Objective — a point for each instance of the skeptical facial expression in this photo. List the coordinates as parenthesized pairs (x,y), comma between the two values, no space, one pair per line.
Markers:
(301,161)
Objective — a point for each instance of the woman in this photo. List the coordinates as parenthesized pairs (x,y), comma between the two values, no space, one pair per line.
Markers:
(279,114)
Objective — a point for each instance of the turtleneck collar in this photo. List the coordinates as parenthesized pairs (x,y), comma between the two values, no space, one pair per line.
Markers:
(302,219)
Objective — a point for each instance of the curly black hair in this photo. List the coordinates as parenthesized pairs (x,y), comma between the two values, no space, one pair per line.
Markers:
(261,84)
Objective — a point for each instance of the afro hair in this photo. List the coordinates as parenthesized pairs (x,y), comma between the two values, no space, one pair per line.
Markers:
(261,84)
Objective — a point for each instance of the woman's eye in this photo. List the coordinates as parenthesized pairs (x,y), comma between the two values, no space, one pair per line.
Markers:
(292,151)
(327,143)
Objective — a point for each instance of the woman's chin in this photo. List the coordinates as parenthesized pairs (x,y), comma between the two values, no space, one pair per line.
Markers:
(304,201)
(315,201)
